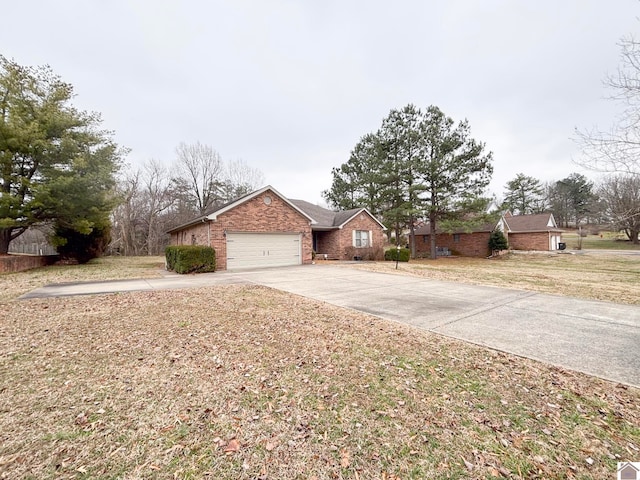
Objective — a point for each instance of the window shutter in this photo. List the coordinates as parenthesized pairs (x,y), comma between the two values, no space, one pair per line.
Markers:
(370,238)
(353,234)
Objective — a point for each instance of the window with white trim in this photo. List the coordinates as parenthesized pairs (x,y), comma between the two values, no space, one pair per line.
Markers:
(361,238)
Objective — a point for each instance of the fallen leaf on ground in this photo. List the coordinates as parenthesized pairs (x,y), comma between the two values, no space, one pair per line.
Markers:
(233,446)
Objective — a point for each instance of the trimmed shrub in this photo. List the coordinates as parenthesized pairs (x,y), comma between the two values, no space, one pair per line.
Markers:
(190,259)
(401,255)
(369,254)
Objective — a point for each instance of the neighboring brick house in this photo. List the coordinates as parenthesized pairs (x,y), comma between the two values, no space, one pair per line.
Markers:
(524,232)
(346,234)
(531,232)
(465,243)
(264,228)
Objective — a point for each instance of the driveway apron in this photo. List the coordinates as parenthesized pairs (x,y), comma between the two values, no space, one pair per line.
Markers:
(598,338)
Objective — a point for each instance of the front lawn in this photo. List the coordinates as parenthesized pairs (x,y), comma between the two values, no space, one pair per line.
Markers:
(246,382)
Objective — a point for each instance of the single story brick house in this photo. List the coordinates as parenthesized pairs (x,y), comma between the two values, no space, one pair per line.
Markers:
(266,229)
(524,232)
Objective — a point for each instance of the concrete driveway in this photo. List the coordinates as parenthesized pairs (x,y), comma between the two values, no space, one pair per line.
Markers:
(597,338)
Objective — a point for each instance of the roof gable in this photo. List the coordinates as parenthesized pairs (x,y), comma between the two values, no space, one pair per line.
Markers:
(342,218)
(540,222)
(225,208)
(213,215)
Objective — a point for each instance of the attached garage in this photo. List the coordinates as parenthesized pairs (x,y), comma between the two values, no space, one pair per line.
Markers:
(261,229)
(254,250)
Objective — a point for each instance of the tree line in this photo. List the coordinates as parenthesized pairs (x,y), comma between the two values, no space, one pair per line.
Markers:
(420,165)
(156,197)
(576,201)
(60,169)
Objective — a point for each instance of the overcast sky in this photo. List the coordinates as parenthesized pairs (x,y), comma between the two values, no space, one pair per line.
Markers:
(291,86)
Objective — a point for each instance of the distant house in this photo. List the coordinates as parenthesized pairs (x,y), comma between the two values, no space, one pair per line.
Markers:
(264,229)
(523,232)
(531,232)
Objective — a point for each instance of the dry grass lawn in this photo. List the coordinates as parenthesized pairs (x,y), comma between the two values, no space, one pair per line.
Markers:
(246,382)
(613,278)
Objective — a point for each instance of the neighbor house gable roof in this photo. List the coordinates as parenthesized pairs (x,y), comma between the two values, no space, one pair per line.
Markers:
(541,222)
(327,219)
(212,216)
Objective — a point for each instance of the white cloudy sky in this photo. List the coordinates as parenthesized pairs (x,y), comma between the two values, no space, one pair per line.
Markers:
(290,86)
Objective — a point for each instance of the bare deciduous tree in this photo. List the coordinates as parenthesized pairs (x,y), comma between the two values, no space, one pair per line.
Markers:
(620,195)
(617,150)
(140,220)
(158,198)
(240,179)
(200,172)
(125,217)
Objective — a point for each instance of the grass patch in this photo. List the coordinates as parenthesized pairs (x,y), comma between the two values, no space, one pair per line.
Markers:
(104,268)
(602,241)
(613,278)
(246,382)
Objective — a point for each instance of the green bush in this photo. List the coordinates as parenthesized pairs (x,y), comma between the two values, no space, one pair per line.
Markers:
(190,259)
(392,255)
(497,241)
(74,245)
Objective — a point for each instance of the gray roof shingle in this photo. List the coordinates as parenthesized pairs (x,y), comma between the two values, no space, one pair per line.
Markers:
(541,222)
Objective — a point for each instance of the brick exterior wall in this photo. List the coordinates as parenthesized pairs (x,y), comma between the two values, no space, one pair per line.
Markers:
(329,243)
(529,241)
(338,244)
(468,244)
(251,216)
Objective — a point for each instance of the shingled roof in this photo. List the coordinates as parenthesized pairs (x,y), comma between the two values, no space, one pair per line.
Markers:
(327,219)
(541,222)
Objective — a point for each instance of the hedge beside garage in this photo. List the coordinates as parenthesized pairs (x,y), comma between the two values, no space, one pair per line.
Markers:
(190,259)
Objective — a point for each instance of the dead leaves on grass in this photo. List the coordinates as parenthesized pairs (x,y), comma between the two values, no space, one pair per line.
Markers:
(236,382)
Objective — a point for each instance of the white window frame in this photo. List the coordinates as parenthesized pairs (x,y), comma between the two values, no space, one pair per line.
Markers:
(358,238)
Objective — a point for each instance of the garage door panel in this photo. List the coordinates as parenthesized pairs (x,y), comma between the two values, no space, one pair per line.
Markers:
(251,250)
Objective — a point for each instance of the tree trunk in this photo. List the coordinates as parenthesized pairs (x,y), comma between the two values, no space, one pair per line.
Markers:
(5,239)
(432,236)
(634,237)
(412,238)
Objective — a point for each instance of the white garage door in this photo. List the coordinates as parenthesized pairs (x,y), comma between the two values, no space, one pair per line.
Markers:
(251,250)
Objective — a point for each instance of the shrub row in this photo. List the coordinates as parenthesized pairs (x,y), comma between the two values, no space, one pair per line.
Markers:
(190,259)
(394,254)
(367,254)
